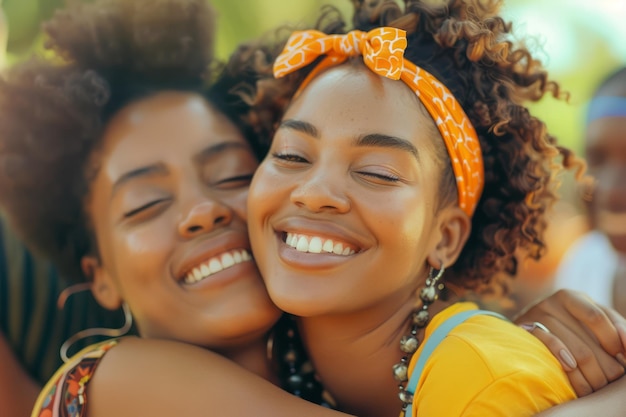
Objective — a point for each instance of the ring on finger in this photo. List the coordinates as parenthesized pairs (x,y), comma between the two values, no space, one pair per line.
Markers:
(538,325)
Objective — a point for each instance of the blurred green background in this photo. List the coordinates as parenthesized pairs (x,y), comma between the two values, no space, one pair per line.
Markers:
(579,41)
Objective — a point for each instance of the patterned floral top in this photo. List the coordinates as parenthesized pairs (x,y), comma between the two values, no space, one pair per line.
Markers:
(65,394)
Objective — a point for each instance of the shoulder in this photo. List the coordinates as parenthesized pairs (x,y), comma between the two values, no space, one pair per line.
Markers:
(66,390)
(492,364)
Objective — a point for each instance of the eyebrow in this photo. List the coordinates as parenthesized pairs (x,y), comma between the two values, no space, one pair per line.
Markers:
(371,140)
(159,169)
(145,171)
(213,150)
(300,126)
(386,141)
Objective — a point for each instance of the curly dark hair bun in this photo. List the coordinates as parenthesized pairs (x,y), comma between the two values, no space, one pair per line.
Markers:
(53,108)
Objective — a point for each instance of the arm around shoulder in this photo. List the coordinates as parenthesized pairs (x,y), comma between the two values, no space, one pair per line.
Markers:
(607,402)
(18,390)
(165,378)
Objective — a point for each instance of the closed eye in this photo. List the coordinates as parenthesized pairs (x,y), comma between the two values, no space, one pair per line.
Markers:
(143,207)
(384,177)
(287,157)
(236,181)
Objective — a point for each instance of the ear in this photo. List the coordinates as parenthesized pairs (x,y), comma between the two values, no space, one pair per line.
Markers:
(454,230)
(104,288)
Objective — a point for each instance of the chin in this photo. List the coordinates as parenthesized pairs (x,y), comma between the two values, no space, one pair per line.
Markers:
(303,303)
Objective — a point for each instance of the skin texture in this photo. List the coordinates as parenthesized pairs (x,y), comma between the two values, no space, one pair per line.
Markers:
(162,207)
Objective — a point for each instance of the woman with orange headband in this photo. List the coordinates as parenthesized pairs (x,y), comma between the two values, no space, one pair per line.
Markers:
(405,173)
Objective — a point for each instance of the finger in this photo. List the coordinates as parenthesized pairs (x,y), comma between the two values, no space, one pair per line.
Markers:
(594,363)
(576,378)
(579,383)
(594,318)
(554,344)
(620,324)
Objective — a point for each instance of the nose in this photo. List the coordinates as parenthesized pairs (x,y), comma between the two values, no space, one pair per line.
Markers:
(203,216)
(320,191)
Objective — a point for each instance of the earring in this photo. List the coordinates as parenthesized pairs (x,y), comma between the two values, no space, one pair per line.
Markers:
(74,289)
(409,343)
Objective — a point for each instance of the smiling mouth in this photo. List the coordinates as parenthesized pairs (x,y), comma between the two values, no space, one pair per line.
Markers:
(216,264)
(317,244)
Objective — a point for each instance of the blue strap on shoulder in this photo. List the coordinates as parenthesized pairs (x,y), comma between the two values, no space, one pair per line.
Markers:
(433,341)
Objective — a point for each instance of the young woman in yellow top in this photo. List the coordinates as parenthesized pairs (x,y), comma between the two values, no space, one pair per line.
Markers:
(407,150)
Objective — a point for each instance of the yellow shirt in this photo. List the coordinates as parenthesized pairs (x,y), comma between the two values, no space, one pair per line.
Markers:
(487,366)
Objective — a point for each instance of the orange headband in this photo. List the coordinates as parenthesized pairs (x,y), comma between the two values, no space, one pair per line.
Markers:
(383,53)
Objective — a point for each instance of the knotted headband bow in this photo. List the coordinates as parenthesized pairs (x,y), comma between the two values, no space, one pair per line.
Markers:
(383,53)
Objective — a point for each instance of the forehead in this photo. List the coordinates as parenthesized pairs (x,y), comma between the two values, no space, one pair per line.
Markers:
(162,123)
(353,100)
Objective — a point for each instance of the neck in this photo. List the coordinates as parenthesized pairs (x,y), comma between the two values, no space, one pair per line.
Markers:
(253,357)
(354,353)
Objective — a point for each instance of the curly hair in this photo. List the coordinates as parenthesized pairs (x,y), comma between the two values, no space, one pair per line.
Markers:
(53,109)
(468,47)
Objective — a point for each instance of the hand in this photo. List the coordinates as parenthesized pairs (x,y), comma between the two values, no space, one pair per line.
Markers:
(588,339)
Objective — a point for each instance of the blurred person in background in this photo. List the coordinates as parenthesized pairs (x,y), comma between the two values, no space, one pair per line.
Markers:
(596,262)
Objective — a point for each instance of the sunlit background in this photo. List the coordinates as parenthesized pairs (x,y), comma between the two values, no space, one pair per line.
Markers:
(580,42)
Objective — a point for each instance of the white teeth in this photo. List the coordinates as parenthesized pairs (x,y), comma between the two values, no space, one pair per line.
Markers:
(197,274)
(227,260)
(216,264)
(303,244)
(316,244)
(338,248)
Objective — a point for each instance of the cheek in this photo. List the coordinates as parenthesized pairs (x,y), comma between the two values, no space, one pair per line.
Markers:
(142,252)
(265,190)
(239,203)
(403,215)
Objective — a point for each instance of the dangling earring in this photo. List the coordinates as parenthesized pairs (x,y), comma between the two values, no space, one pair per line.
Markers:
(74,289)
(409,343)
